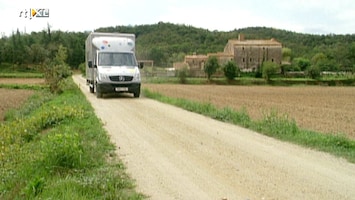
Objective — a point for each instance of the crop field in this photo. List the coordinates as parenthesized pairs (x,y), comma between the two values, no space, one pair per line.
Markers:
(13,98)
(329,110)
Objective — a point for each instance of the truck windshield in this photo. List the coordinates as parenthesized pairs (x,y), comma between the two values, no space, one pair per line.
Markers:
(116,59)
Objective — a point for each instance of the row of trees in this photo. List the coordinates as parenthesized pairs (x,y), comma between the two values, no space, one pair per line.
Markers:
(310,68)
(28,50)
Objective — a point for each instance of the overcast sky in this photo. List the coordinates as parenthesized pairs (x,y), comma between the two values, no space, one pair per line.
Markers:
(303,16)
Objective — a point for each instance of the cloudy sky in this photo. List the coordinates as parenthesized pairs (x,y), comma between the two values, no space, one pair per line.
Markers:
(304,16)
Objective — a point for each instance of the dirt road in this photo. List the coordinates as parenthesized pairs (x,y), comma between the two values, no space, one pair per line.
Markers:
(176,154)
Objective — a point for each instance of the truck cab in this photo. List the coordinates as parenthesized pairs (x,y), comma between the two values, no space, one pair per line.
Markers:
(111,64)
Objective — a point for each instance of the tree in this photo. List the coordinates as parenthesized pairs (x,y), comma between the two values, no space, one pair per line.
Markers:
(313,71)
(230,70)
(301,63)
(269,68)
(157,54)
(57,70)
(211,66)
(286,54)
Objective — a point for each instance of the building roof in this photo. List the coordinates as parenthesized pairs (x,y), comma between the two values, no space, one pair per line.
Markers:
(271,42)
(195,56)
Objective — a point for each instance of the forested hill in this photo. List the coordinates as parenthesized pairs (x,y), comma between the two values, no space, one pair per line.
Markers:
(163,42)
(166,43)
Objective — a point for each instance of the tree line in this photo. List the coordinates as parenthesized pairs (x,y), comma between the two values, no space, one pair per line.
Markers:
(166,43)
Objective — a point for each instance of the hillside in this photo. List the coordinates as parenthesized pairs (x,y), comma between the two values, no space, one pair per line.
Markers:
(166,43)
(162,42)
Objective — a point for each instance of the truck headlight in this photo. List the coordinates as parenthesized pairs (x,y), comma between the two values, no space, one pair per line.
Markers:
(103,77)
(137,76)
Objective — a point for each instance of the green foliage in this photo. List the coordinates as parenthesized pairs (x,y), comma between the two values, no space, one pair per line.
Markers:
(269,68)
(56,71)
(82,68)
(54,147)
(314,71)
(230,70)
(277,125)
(318,59)
(286,54)
(182,74)
(211,66)
(35,187)
(301,64)
(62,150)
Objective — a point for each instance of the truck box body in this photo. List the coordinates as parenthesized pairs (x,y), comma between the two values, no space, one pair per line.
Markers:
(111,65)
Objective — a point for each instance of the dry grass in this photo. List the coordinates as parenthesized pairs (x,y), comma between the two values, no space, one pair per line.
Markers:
(324,109)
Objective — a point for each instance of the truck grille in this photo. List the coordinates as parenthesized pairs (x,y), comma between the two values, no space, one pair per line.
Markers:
(121,78)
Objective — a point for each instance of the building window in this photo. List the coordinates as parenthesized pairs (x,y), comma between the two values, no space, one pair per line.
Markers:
(243,60)
(250,59)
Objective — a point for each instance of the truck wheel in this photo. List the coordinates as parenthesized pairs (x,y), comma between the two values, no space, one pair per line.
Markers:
(92,89)
(136,94)
(98,94)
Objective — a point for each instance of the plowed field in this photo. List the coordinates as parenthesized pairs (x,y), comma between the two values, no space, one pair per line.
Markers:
(325,109)
(13,98)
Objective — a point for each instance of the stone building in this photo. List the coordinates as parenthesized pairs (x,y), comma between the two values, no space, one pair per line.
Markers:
(248,54)
(195,64)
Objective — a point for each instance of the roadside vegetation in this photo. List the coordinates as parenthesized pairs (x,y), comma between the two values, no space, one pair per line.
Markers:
(272,124)
(54,147)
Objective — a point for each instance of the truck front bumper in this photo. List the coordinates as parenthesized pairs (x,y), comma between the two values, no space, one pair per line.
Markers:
(112,88)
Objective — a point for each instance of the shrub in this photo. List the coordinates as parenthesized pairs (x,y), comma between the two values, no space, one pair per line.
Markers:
(182,74)
(56,70)
(269,68)
(230,70)
(82,68)
(211,66)
(314,72)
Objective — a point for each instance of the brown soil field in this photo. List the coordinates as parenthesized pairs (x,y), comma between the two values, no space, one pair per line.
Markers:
(21,81)
(329,110)
(14,98)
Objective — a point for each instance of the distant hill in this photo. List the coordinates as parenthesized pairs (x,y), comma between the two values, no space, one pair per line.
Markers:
(166,43)
(162,41)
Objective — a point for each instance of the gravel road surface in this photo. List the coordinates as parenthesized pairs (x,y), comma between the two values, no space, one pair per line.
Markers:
(176,154)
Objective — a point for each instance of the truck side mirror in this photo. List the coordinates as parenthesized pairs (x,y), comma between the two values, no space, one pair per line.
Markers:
(90,64)
(141,65)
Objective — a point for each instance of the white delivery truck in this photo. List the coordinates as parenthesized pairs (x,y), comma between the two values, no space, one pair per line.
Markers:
(111,65)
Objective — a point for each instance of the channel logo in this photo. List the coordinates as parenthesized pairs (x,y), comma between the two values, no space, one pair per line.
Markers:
(32,13)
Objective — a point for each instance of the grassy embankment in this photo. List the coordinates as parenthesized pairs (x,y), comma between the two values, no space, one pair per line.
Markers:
(54,147)
(273,124)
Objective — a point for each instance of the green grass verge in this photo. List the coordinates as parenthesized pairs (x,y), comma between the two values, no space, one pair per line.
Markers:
(21,75)
(54,147)
(24,86)
(273,124)
(252,81)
